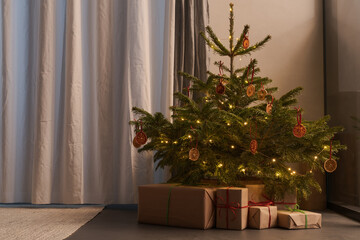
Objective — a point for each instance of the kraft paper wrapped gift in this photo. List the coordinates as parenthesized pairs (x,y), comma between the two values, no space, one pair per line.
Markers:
(257,195)
(173,205)
(231,208)
(261,217)
(298,220)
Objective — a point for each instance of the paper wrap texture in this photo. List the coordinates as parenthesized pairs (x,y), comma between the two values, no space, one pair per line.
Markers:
(182,206)
(232,210)
(296,220)
(260,216)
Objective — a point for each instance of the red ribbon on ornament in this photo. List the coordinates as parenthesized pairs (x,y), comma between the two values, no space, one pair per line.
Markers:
(221,71)
(272,100)
(255,130)
(298,117)
(330,148)
(196,138)
(188,89)
(232,206)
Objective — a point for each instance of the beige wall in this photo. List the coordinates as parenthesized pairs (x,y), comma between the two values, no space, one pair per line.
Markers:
(294,55)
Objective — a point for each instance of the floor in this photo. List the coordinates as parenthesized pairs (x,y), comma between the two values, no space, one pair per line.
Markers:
(122,224)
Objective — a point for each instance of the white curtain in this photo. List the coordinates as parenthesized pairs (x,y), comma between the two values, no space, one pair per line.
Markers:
(71,71)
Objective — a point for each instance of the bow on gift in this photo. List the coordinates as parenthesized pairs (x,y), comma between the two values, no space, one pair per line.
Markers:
(297,209)
(228,205)
(263,204)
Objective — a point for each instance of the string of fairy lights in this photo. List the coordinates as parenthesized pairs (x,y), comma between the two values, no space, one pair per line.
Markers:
(243,169)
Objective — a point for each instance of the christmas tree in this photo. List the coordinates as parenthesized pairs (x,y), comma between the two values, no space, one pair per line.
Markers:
(235,129)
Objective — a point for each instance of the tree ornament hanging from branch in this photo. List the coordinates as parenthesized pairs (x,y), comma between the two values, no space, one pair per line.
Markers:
(253,143)
(269,105)
(246,42)
(299,129)
(194,153)
(141,137)
(135,143)
(220,88)
(251,88)
(330,165)
(262,93)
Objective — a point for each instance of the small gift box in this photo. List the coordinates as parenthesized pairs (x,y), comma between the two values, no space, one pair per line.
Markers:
(232,208)
(257,194)
(294,218)
(261,217)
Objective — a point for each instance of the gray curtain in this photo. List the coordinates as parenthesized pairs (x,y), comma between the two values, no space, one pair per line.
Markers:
(191,18)
(71,71)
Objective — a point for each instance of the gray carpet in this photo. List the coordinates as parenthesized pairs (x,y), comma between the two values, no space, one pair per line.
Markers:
(122,224)
(43,223)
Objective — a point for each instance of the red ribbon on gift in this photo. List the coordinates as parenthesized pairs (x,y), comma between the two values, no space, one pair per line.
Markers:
(229,205)
(263,204)
(279,203)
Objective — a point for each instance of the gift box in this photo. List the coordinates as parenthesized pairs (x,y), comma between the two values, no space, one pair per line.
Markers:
(257,195)
(261,217)
(231,208)
(173,205)
(298,219)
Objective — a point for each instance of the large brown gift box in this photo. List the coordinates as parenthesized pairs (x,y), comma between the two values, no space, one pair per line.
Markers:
(257,195)
(297,220)
(231,208)
(172,205)
(261,217)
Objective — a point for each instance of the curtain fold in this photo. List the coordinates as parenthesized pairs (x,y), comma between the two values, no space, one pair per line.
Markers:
(71,71)
(191,53)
